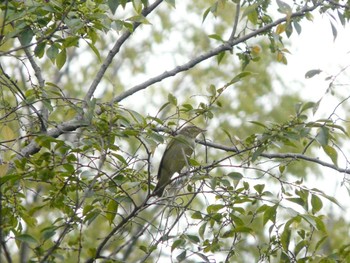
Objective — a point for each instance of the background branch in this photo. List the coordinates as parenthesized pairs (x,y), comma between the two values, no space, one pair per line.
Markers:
(295,156)
(211,53)
(146,11)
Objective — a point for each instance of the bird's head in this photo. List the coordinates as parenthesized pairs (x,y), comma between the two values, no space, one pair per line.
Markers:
(191,131)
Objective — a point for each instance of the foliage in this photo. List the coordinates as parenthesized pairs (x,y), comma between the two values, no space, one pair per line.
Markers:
(79,144)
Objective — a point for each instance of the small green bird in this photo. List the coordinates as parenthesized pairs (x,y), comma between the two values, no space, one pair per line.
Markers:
(179,149)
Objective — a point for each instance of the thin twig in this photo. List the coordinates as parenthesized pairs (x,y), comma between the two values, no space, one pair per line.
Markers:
(235,24)
(296,156)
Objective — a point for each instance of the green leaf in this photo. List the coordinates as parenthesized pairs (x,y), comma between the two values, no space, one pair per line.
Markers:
(239,77)
(259,188)
(39,50)
(301,245)
(332,153)
(214,208)
(47,104)
(297,27)
(270,214)
(26,36)
(216,37)
(139,19)
(235,176)
(27,239)
(201,230)
(128,26)
(285,237)
(334,31)
(71,42)
(257,153)
(74,23)
(342,129)
(3,170)
(91,216)
(220,57)
(113,5)
(94,49)
(323,136)
(341,18)
(112,209)
(69,167)
(238,221)
(316,204)
(182,256)
(197,215)
(281,168)
(212,90)
(171,2)
(205,14)
(289,29)
(193,238)
(309,16)
(144,249)
(283,7)
(306,106)
(228,233)
(330,198)
(259,124)
(311,73)
(250,9)
(177,243)
(320,242)
(316,106)
(52,52)
(61,59)
(48,232)
(243,229)
(297,200)
(320,225)
(172,99)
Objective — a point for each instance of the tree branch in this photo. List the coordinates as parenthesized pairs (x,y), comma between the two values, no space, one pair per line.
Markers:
(124,221)
(296,156)
(235,23)
(211,53)
(146,11)
(76,123)
(64,127)
(23,97)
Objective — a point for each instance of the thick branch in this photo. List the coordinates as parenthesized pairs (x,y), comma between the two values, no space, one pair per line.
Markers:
(60,129)
(211,53)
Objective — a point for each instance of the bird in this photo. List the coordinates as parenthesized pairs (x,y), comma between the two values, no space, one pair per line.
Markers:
(175,156)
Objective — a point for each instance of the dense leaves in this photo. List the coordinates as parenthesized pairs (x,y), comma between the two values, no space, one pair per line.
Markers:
(90,92)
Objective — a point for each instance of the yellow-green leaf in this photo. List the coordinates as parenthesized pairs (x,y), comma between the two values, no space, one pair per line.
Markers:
(112,209)
(332,153)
